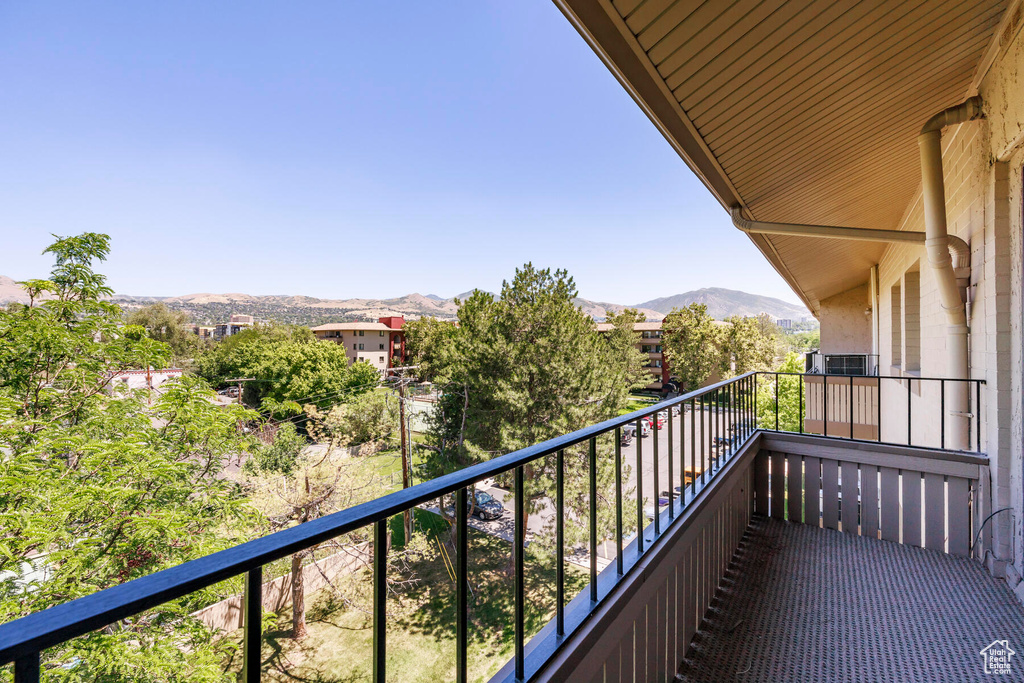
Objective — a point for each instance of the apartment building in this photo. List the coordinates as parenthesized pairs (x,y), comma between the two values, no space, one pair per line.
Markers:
(650,343)
(235,324)
(381,344)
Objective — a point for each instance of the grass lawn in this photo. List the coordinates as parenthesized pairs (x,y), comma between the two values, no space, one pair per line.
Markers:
(421,615)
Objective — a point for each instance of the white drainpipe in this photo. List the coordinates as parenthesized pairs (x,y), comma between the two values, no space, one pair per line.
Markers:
(952,275)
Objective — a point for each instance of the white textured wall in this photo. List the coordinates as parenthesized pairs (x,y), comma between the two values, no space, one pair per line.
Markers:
(984,207)
(844,326)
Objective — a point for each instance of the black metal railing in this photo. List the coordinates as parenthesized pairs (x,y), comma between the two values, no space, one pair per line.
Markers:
(721,418)
(903,411)
(857,364)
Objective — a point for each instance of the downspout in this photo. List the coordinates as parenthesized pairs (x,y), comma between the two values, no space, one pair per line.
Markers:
(952,274)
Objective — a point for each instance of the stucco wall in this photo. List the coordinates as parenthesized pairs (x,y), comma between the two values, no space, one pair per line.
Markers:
(844,326)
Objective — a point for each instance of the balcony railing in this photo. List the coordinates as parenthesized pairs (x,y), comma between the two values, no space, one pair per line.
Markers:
(726,419)
(708,457)
(908,411)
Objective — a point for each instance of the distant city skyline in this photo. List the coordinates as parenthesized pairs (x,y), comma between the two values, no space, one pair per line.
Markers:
(273,150)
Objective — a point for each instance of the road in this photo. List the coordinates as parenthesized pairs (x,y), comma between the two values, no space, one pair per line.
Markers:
(504,527)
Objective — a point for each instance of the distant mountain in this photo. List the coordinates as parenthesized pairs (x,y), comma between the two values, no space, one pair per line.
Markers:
(723,303)
(207,309)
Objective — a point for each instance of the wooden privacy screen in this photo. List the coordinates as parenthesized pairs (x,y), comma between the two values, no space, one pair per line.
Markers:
(913,496)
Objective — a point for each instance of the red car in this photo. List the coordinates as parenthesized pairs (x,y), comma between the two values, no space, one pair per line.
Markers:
(650,421)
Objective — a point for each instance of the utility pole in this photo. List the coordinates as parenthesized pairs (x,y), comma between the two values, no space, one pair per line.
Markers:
(239,380)
(404,438)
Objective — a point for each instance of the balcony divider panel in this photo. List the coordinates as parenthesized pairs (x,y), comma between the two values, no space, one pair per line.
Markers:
(911,507)
(850,497)
(958,502)
(794,498)
(812,490)
(761,484)
(935,512)
(830,493)
(778,485)
(869,501)
(890,504)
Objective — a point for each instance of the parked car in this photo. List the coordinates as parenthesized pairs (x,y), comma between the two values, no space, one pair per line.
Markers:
(627,434)
(650,421)
(487,506)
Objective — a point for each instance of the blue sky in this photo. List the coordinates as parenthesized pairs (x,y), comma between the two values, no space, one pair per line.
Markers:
(344,150)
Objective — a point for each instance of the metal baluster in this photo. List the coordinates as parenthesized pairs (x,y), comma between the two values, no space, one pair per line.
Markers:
(977,416)
(776,401)
(462,591)
(909,412)
(657,463)
(824,405)
(693,446)
(851,406)
(618,502)
(800,390)
(593,519)
(520,597)
(380,594)
(879,410)
(252,626)
(671,507)
(682,455)
(639,487)
(560,540)
(26,669)
(942,413)
(703,439)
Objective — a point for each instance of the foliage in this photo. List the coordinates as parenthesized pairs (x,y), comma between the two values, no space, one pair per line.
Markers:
(371,417)
(693,343)
(96,487)
(291,367)
(749,344)
(171,327)
(789,388)
(280,455)
(320,483)
(523,368)
(803,342)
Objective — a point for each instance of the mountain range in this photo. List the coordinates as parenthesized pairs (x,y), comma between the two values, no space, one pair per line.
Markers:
(205,308)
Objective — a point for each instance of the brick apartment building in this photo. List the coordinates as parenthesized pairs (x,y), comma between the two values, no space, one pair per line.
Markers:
(381,344)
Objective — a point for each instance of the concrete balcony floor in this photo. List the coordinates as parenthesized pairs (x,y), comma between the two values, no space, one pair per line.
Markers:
(806,604)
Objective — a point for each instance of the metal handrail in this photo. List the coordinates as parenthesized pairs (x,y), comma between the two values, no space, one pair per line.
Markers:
(974,426)
(22,640)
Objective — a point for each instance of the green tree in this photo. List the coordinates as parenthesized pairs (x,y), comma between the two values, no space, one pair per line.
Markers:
(692,343)
(523,368)
(291,368)
(171,327)
(97,487)
(749,344)
(280,455)
(788,390)
(370,417)
(625,361)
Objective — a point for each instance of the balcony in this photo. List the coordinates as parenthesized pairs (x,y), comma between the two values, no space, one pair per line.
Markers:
(786,556)
(856,364)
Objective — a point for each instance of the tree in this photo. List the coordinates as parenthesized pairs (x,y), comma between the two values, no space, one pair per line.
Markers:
(624,358)
(523,368)
(170,327)
(319,484)
(371,417)
(788,391)
(96,487)
(693,345)
(291,368)
(749,344)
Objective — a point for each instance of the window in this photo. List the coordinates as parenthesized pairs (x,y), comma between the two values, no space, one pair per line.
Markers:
(360,333)
(353,347)
(381,359)
(382,333)
(896,299)
(381,347)
(645,348)
(912,320)
(360,347)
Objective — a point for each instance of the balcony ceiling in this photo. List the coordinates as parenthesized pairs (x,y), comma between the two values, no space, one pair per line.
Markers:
(804,111)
